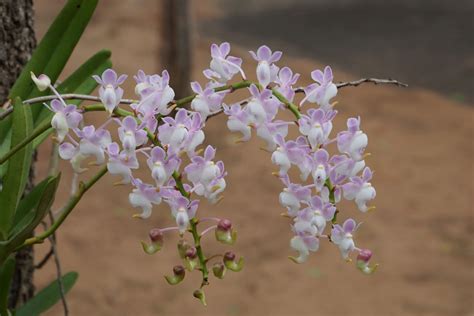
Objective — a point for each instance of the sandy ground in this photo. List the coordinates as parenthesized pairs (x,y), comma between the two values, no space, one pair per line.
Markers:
(421,233)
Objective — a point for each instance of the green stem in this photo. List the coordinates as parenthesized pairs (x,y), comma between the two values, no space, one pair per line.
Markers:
(193,223)
(98,107)
(294,109)
(83,188)
(202,258)
(231,87)
(291,106)
(37,132)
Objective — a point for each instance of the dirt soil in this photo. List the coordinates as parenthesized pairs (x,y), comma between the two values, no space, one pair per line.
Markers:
(421,232)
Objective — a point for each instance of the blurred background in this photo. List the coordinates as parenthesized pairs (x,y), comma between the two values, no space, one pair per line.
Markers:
(420,140)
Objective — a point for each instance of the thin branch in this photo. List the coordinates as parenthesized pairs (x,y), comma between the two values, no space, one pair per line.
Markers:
(5,113)
(7,104)
(75,96)
(356,83)
(371,80)
(188,99)
(45,259)
(37,132)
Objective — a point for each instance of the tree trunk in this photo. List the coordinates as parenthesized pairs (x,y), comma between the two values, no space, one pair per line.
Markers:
(17,41)
(176,43)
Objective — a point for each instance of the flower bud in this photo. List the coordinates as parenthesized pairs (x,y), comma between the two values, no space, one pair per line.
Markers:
(364,255)
(229,256)
(219,270)
(191,260)
(42,82)
(156,237)
(230,264)
(363,259)
(178,275)
(199,294)
(191,253)
(224,232)
(183,246)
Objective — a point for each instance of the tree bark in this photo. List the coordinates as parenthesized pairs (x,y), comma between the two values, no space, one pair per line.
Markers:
(176,45)
(17,41)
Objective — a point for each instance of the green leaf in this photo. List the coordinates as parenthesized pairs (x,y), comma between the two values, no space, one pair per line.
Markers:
(56,47)
(50,56)
(27,206)
(34,208)
(93,66)
(4,148)
(18,166)
(47,297)
(6,274)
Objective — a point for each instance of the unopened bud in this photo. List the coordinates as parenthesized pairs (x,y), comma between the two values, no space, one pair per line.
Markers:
(230,264)
(42,82)
(191,253)
(178,275)
(364,255)
(191,259)
(183,246)
(199,294)
(224,232)
(363,259)
(178,270)
(229,256)
(219,270)
(156,237)
(224,224)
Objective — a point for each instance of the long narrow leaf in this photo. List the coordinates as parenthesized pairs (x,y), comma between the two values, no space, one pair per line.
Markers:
(57,45)
(4,148)
(66,46)
(18,166)
(85,71)
(51,55)
(6,273)
(41,207)
(26,208)
(47,297)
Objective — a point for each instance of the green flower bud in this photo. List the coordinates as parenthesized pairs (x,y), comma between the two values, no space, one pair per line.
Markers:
(199,294)
(363,259)
(183,246)
(178,275)
(231,264)
(156,237)
(191,260)
(224,232)
(219,270)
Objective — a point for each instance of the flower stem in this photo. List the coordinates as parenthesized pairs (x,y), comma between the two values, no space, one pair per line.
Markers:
(37,132)
(193,222)
(202,258)
(291,106)
(205,231)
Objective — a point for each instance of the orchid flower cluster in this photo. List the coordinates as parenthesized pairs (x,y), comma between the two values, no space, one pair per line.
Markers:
(169,137)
